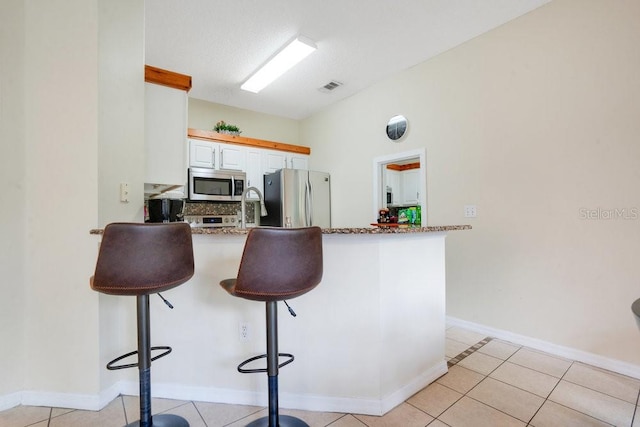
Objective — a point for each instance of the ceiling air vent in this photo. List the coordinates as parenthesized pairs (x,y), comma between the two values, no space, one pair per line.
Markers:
(329,87)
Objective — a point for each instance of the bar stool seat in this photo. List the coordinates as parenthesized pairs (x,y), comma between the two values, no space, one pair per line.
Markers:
(139,260)
(635,308)
(277,264)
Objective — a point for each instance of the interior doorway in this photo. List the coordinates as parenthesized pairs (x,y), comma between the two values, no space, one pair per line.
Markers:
(380,185)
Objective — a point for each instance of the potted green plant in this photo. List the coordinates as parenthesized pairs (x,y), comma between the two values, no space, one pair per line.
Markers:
(222,127)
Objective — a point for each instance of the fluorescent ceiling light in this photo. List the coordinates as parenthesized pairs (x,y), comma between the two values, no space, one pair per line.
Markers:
(293,53)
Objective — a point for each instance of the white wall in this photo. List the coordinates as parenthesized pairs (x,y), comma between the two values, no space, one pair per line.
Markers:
(61,125)
(204,115)
(532,122)
(121,109)
(12,175)
(71,90)
(121,159)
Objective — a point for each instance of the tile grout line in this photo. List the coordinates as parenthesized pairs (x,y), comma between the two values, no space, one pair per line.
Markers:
(479,345)
(635,410)
(469,351)
(124,410)
(199,414)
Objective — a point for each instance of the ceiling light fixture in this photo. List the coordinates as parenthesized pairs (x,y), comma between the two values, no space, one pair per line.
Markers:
(293,53)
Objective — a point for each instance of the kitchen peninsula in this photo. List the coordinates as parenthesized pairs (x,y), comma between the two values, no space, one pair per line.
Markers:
(368,337)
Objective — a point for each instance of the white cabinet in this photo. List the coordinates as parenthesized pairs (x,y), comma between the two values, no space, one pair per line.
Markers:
(254,161)
(393,184)
(404,186)
(273,160)
(202,154)
(262,161)
(232,157)
(213,155)
(410,187)
(297,161)
(165,127)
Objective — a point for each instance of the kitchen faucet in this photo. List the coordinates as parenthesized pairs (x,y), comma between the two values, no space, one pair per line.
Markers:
(243,202)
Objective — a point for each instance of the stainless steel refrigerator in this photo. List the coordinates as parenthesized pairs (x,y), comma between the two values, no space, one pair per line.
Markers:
(297,196)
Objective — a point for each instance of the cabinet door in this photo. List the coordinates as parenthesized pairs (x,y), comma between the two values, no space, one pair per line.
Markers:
(273,160)
(232,157)
(165,127)
(202,154)
(411,187)
(393,183)
(297,161)
(254,172)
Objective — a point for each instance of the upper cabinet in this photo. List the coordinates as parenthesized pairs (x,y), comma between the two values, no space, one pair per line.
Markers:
(297,161)
(402,184)
(165,126)
(411,187)
(202,154)
(273,160)
(213,155)
(253,156)
(392,187)
(232,157)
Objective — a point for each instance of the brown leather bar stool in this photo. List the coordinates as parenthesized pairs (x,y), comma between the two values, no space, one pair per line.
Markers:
(635,308)
(143,259)
(277,264)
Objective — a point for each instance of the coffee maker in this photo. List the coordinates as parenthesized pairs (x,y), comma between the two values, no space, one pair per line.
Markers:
(165,210)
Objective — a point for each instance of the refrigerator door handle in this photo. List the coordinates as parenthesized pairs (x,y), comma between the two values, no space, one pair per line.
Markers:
(308,204)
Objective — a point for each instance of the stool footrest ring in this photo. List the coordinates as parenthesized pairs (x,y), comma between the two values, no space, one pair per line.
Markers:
(111,367)
(263,356)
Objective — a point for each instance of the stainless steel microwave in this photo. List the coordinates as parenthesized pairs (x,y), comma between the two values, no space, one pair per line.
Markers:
(213,185)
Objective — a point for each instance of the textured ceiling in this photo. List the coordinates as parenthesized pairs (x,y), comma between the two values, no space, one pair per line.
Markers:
(220,43)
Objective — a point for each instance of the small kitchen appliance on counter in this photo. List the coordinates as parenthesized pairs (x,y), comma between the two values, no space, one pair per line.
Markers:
(165,210)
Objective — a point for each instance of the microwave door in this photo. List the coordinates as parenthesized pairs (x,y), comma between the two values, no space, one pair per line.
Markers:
(209,188)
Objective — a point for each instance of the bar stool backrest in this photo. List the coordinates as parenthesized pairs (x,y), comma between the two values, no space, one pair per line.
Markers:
(139,259)
(279,263)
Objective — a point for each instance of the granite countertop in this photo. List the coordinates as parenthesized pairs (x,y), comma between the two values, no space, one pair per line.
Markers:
(363,230)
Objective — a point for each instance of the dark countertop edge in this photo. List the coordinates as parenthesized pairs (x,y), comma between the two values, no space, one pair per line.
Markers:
(358,231)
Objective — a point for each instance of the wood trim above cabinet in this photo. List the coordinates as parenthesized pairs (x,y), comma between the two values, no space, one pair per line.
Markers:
(167,78)
(249,142)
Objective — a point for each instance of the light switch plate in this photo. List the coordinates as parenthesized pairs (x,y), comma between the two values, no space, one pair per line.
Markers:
(124,192)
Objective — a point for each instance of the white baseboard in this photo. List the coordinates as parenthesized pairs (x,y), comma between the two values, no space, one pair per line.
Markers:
(423,380)
(296,401)
(89,402)
(592,359)
(10,400)
(229,396)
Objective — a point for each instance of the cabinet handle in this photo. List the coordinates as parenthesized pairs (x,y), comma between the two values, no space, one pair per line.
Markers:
(213,159)
(221,159)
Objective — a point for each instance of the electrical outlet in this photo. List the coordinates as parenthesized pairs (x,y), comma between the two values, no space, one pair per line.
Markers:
(470,211)
(245,332)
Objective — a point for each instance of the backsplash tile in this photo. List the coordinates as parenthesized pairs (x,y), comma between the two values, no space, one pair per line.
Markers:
(218,208)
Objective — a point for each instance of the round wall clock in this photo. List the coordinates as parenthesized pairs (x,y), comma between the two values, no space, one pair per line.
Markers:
(397,127)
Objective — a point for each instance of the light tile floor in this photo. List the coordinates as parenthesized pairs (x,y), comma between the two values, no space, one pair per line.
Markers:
(490,383)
